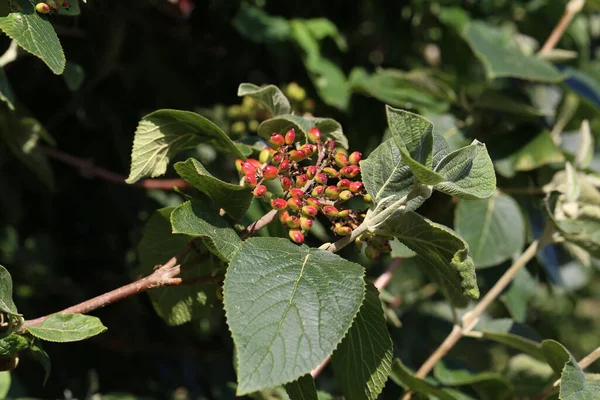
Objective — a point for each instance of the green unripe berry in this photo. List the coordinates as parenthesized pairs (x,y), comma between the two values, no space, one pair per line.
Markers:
(42,8)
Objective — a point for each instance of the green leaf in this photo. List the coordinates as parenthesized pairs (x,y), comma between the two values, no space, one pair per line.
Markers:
(7,304)
(260,27)
(443,250)
(161,134)
(195,219)
(269,96)
(12,344)
(234,199)
(288,307)
(488,385)
(468,173)
(494,228)
(74,75)
(34,33)
(574,384)
(404,377)
(39,354)
(302,388)
(512,334)
(183,303)
(362,362)
(540,151)
(583,232)
(529,376)
(414,136)
(501,57)
(6,93)
(330,129)
(4,384)
(516,297)
(67,328)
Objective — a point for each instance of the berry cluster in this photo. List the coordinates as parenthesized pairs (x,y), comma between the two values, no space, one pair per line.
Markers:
(51,6)
(316,179)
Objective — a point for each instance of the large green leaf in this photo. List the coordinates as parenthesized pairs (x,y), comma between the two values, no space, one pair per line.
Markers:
(302,388)
(404,377)
(468,173)
(161,134)
(362,362)
(194,218)
(67,328)
(269,96)
(488,385)
(288,307)
(501,57)
(7,304)
(234,199)
(414,136)
(330,129)
(33,32)
(574,383)
(442,249)
(183,303)
(510,333)
(494,228)
(538,152)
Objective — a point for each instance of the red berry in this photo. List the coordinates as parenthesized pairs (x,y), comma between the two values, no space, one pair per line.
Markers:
(350,171)
(296,236)
(276,140)
(306,223)
(295,203)
(355,157)
(286,183)
(331,172)
(296,193)
(42,8)
(330,211)
(248,168)
(250,180)
(276,159)
(270,172)
(279,204)
(301,180)
(341,160)
(331,145)
(344,184)
(293,222)
(321,179)
(308,149)
(332,192)
(254,162)
(283,216)
(311,211)
(311,201)
(318,191)
(314,135)
(283,165)
(356,187)
(260,191)
(297,155)
(290,136)
(311,171)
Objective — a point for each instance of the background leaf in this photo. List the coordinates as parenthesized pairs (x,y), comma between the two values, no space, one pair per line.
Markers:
(269,96)
(7,304)
(7,94)
(302,388)
(39,354)
(488,385)
(330,129)
(494,228)
(510,333)
(403,376)
(4,383)
(287,307)
(67,328)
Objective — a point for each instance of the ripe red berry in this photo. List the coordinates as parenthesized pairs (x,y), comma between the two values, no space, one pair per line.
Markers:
(330,211)
(260,191)
(330,145)
(341,160)
(296,236)
(314,135)
(276,140)
(350,171)
(290,136)
(293,222)
(250,180)
(254,162)
(295,203)
(331,172)
(311,171)
(308,149)
(321,179)
(311,211)
(311,201)
(318,191)
(332,192)
(306,223)
(270,172)
(286,183)
(283,216)
(277,159)
(283,165)
(297,193)
(248,168)
(355,157)
(279,204)
(344,184)
(356,187)
(301,180)
(297,155)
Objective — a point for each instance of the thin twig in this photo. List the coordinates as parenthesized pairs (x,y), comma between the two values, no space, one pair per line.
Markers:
(572,9)
(87,167)
(261,223)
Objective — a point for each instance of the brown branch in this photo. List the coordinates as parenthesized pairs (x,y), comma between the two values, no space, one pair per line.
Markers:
(87,167)
(259,223)
(572,9)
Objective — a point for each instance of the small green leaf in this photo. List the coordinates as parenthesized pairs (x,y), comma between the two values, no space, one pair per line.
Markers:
(269,96)
(67,328)
(161,134)
(34,33)
(7,304)
(184,303)
(39,354)
(584,232)
(414,136)
(74,76)
(302,388)
(12,344)
(502,59)
(443,250)
(529,376)
(488,385)
(538,152)
(260,27)
(362,362)
(406,378)
(330,129)
(234,199)
(512,334)
(468,173)
(6,93)
(195,219)
(494,228)
(4,384)
(288,307)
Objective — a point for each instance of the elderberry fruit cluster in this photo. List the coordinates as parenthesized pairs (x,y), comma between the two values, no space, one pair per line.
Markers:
(316,179)
(51,6)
